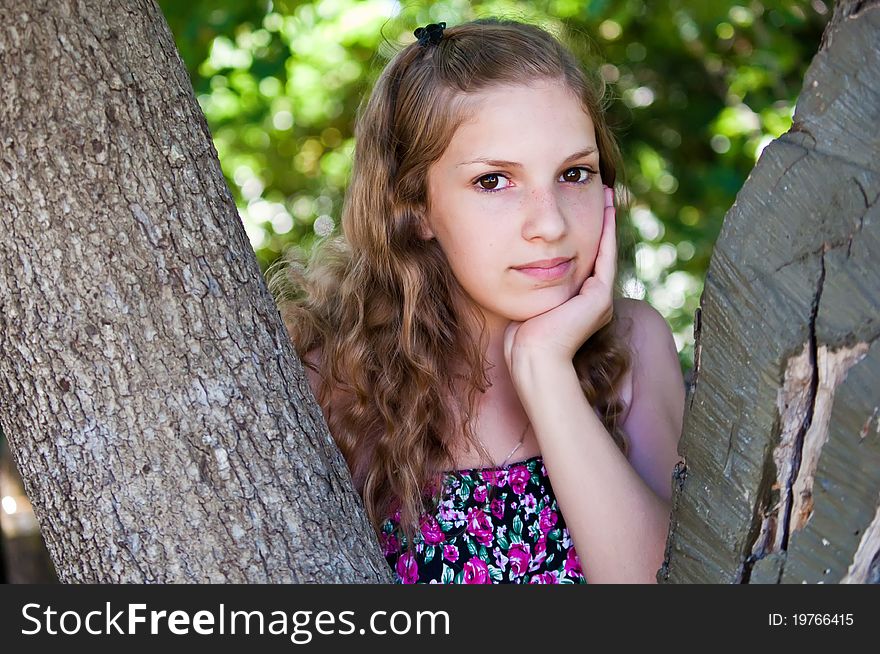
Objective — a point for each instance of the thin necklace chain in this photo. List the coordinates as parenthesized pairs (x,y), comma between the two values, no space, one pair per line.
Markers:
(522,439)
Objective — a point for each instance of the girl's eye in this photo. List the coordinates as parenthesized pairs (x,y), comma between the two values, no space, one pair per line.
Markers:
(490,183)
(574,175)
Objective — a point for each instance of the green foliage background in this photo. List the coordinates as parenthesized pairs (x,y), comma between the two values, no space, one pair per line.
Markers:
(697,88)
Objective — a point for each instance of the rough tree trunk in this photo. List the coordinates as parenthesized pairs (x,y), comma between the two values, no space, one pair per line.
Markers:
(151,397)
(782,435)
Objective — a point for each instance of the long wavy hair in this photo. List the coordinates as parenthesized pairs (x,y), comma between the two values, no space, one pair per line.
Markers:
(372,310)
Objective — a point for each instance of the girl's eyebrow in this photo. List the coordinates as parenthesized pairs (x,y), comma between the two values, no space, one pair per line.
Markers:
(513,164)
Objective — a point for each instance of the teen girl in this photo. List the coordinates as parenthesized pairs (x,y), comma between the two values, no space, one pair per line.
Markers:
(506,417)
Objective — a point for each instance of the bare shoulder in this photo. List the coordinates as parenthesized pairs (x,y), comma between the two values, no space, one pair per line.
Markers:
(645,330)
(623,332)
(636,315)
(653,419)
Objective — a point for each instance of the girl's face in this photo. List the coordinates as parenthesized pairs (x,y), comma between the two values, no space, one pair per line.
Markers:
(519,184)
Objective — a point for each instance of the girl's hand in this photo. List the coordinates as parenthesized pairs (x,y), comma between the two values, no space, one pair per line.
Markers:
(555,336)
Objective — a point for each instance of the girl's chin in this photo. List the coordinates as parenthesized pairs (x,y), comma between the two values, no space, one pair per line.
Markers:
(537,308)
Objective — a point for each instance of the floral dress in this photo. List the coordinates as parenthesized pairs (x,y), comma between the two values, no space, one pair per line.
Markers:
(516,536)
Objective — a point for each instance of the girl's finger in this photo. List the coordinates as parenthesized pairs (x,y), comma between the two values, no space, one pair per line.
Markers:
(606,259)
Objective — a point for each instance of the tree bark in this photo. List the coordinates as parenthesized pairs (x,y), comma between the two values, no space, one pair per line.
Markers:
(151,397)
(782,433)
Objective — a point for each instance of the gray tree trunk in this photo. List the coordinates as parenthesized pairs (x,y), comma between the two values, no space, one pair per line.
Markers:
(149,392)
(782,435)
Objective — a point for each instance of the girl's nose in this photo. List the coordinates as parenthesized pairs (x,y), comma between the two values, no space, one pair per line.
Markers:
(544,218)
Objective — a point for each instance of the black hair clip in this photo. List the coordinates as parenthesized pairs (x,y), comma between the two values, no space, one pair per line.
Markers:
(430,34)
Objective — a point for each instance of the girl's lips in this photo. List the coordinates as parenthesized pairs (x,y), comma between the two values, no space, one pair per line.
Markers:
(556,272)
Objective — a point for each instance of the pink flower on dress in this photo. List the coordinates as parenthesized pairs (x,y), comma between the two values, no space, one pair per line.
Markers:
(539,554)
(450,553)
(479,526)
(548,519)
(573,564)
(518,477)
(495,477)
(432,532)
(480,493)
(497,507)
(519,558)
(407,568)
(544,578)
(389,544)
(476,571)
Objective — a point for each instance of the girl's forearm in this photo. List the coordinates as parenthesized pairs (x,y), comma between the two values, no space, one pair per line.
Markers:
(617,523)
